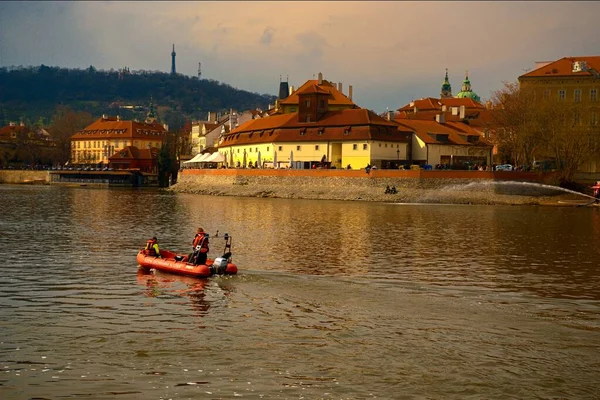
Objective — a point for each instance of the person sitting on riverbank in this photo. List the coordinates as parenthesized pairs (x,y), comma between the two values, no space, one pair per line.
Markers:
(151,248)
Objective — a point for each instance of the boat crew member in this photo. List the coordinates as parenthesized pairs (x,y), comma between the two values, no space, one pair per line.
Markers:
(200,246)
(152,247)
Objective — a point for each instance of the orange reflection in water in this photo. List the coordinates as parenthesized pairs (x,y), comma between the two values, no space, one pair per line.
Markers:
(157,285)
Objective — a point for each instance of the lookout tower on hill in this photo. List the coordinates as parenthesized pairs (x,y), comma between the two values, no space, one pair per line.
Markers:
(173,54)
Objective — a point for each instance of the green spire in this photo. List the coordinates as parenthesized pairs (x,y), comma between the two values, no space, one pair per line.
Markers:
(446,88)
(466,91)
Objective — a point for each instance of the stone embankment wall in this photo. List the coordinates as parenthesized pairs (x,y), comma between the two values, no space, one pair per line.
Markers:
(24,176)
(458,187)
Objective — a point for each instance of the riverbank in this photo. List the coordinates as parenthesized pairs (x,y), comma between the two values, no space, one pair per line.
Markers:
(446,187)
(30,177)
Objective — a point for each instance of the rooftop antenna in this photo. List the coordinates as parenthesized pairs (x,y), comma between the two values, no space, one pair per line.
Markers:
(199,69)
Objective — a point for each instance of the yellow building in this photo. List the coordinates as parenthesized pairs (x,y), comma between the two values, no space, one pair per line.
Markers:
(570,79)
(315,135)
(107,135)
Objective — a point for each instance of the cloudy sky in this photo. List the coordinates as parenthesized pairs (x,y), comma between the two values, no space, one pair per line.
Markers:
(390,51)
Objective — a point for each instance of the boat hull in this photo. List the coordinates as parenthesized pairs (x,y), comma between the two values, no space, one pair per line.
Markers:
(169,263)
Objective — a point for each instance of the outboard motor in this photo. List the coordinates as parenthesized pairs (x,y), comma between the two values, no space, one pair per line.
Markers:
(220,265)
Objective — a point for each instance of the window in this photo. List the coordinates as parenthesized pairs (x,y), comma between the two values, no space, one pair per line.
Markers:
(546,94)
(308,118)
(320,132)
(562,95)
(577,119)
(577,96)
(594,118)
(307,103)
(365,146)
(293,109)
(322,103)
(298,148)
(594,95)
(354,147)
(386,145)
(268,148)
(256,149)
(280,148)
(316,147)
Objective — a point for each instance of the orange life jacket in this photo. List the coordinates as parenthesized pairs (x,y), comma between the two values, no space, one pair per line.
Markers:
(202,241)
(149,249)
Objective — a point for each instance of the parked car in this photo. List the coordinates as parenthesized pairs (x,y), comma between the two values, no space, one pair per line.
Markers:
(504,167)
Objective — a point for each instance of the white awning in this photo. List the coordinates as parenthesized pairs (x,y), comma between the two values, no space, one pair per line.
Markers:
(197,158)
(215,157)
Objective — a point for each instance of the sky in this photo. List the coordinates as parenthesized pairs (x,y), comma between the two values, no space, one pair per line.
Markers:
(391,52)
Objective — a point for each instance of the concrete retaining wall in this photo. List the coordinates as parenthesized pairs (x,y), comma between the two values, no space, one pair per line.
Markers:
(24,176)
(413,186)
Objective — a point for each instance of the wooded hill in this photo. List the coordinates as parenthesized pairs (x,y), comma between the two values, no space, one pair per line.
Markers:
(31,94)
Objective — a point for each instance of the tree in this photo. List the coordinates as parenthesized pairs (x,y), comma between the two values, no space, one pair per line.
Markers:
(518,133)
(528,128)
(568,142)
(65,123)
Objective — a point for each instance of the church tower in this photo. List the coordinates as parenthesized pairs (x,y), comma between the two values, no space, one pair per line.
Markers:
(150,115)
(466,90)
(173,60)
(446,92)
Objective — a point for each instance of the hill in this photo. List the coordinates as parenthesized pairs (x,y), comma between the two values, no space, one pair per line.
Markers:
(31,94)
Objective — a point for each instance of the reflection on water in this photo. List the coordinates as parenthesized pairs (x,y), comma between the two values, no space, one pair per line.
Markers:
(333,299)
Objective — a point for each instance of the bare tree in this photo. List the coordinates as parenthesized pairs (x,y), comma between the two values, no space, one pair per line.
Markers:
(517,132)
(65,123)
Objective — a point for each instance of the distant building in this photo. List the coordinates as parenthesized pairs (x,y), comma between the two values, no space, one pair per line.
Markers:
(317,125)
(97,142)
(575,80)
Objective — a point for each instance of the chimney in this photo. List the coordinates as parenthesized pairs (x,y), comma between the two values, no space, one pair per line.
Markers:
(462,112)
(104,116)
(390,114)
(444,107)
(350,92)
(21,124)
(166,127)
(118,117)
(440,118)
(320,78)
(291,90)
(488,105)
(454,110)
(11,123)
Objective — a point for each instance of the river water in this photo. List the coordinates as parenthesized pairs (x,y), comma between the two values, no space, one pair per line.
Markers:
(333,300)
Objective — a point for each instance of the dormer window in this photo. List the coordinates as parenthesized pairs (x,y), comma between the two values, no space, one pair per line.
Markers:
(320,132)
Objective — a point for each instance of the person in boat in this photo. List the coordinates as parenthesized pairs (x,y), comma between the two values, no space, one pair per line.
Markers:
(200,247)
(152,247)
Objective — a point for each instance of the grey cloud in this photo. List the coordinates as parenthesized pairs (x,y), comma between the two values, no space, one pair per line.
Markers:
(267,36)
(312,44)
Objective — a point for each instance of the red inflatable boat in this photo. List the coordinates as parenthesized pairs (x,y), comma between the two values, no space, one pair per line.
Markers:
(178,263)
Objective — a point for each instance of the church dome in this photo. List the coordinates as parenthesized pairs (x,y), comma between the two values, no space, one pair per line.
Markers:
(466,92)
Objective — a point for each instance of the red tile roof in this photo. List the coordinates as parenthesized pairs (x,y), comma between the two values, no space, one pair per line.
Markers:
(9,130)
(335,96)
(564,67)
(430,103)
(132,152)
(348,124)
(457,132)
(110,128)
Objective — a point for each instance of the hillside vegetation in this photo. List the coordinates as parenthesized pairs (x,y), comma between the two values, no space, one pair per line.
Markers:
(32,94)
